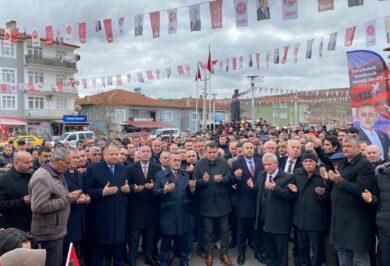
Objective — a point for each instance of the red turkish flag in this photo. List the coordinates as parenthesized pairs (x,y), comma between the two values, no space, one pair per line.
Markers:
(83,32)
(49,35)
(234,63)
(349,36)
(14,34)
(155,23)
(4,88)
(72,259)
(216,14)
(59,85)
(198,76)
(31,87)
(108,29)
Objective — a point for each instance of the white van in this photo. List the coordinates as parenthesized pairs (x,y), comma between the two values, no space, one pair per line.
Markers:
(73,137)
(165,132)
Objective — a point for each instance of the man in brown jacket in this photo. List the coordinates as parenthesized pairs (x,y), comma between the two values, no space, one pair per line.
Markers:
(50,205)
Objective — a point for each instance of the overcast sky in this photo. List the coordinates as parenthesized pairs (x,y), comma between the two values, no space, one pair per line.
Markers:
(130,54)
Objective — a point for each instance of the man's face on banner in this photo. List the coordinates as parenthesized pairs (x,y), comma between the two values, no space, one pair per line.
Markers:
(194,14)
(367,116)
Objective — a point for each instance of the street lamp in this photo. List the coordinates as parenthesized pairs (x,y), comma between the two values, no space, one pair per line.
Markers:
(252,82)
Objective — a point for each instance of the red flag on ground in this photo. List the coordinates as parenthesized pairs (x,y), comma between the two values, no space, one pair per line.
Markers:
(72,259)
(197,75)
(108,29)
(83,32)
(31,88)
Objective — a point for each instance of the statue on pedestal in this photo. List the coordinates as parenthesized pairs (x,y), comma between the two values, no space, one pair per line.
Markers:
(235,107)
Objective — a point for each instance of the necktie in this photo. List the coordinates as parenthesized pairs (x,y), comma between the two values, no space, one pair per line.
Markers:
(252,168)
(290,164)
(175,174)
(112,169)
(145,170)
(377,142)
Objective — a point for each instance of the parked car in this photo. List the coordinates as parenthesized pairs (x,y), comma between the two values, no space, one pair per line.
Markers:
(73,137)
(34,140)
(165,132)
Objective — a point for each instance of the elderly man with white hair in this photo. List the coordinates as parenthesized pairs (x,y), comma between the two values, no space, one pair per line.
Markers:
(373,155)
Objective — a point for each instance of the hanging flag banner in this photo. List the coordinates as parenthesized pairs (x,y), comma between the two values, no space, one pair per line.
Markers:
(349,36)
(31,88)
(241,60)
(387,28)
(128,78)
(276,56)
(227,64)
(241,12)
(36,42)
(267,57)
(158,74)
(94,83)
(155,23)
(180,70)
(49,35)
(168,71)
(188,69)
(289,9)
(109,81)
(216,14)
(149,75)
(309,48)
(296,51)
(98,25)
(325,5)
(108,29)
(4,88)
(59,35)
(68,33)
(285,51)
(195,22)
(83,32)
(172,20)
(220,65)
(84,81)
(121,29)
(250,61)
(119,80)
(332,41)
(258,60)
(138,25)
(140,77)
(234,63)
(370,29)
(352,3)
(262,11)
(14,34)
(103,79)
(321,47)
(369,93)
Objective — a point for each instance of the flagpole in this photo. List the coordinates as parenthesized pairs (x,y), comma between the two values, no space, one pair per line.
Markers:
(209,94)
(196,106)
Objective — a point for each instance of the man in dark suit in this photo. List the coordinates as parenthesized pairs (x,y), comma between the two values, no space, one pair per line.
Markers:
(245,168)
(368,116)
(350,219)
(138,28)
(175,189)
(14,196)
(76,220)
(273,209)
(263,10)
(107,185)
(213,182)
(291,162)
(195,21)
(143,210)
(156,151)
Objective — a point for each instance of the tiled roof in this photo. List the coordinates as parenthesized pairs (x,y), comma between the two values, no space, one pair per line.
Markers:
(122,97)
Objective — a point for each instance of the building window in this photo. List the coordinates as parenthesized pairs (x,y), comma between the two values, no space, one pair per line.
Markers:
(60,55)
(60,78)
(283,105)
(7,51)
(8,75)
(283,115)
(119,116)
(34,51)
(168,116)
(8,102)
(35,103)
(35,77)
(62,104)
(194,116)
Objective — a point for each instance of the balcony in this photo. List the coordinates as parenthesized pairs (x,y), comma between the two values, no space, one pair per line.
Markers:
(47,114)
(49,62)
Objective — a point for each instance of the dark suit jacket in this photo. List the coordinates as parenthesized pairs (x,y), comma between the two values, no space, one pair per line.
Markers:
(13,187)
(108,214)
(246,197)
(76,220)
(383,137)
(143,207)
(283,160)
(174,211)
(350,222)
(138,30)
(262,15)
(274,208)
(195,26)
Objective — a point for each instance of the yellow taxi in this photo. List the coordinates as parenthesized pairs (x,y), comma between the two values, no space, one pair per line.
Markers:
(34,140)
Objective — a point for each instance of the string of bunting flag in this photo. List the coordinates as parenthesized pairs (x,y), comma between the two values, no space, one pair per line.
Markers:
(122,26)
(253,60)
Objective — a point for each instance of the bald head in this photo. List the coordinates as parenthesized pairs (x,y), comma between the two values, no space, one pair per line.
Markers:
(293,148)
(23,162)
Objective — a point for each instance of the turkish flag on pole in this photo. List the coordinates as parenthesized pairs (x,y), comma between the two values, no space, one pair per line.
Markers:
(72,259)
(209,63)
(108,29)
(83,32)
(198,76)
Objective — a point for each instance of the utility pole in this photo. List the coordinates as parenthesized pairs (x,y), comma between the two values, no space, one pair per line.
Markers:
(204,110)
(214,98)
(252,82)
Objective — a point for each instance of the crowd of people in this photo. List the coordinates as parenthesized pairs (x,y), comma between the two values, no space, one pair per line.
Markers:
(325,192)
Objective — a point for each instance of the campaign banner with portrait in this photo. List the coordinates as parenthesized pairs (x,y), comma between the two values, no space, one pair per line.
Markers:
(369,93)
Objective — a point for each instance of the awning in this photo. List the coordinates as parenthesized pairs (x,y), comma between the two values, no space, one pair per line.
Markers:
(12,121)
(144,124)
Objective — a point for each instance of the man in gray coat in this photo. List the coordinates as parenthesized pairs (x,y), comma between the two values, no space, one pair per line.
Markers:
(50,205)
